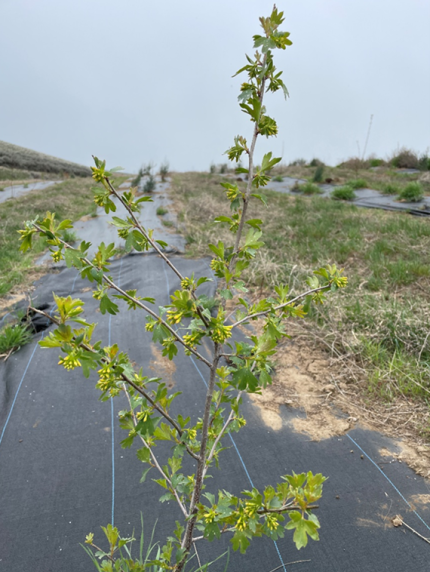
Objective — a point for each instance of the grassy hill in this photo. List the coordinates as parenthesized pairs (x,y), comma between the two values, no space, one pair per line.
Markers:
(15,157)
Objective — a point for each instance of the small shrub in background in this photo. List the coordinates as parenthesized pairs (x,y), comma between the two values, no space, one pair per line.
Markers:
(223,168)
(318,175)
(424,163)
(316,163)
(161,211)
(147,170)
(212,169)
(309,189)
(376,162)
(355,163)
(345,193)
(297,163)
(278,179)
(149,185)
(135,182)
(164,170)
(412,193)
(391,189)
(357,184)
(405,159)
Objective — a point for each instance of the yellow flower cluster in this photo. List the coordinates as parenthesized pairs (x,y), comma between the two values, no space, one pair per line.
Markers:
(217,265)
(272,522)
(241,522)
(250,508)
(174,316)
(69,362)
(210,515)
(192,339)
(57,256)
(220,333)
(186,283)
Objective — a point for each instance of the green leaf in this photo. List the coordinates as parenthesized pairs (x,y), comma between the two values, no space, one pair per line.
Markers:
(240,541)
(255,223)
(144,454)
(106,305)
(145,472)
(212,531)
(162,432)
(167,497)
(245,380)
(302,529)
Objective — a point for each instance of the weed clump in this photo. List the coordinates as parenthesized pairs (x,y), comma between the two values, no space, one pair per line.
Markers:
(135,182)
(357,184)
(318,175)
(413,193)
(309,189)
(278,179)
(13,337)
(376,162)
(391,189)
(345,193)
(161,211)
(149,185)
(164,171)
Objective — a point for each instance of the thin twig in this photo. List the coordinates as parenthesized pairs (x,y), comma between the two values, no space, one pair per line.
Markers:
(155,246)
(154,458)
(284,305)
(135,301)
(289,564)
(396,523)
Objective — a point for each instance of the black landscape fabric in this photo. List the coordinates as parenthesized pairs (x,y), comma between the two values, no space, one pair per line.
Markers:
(63,472)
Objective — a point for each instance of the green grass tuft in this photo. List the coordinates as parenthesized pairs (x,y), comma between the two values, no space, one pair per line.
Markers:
(13,337)
(161,211)
(345,193)
(357,184)
(412,193)
(309,189)
(391,189)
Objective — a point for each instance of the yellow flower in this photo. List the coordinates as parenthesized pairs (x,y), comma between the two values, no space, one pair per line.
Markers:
(69,362)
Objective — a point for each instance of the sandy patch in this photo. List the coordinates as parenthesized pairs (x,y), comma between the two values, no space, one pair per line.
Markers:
(303,387)
(162,366)
(333,398)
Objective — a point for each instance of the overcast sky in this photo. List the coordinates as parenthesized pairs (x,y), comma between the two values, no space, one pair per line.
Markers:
(134,81)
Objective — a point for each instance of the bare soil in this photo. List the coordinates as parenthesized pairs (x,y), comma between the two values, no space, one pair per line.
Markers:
(329,392)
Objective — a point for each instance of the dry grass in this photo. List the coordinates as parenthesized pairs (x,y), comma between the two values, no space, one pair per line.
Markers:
(382,320)
(70,199)
(15,157)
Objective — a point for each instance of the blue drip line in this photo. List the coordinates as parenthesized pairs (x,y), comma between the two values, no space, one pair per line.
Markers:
(112,414)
